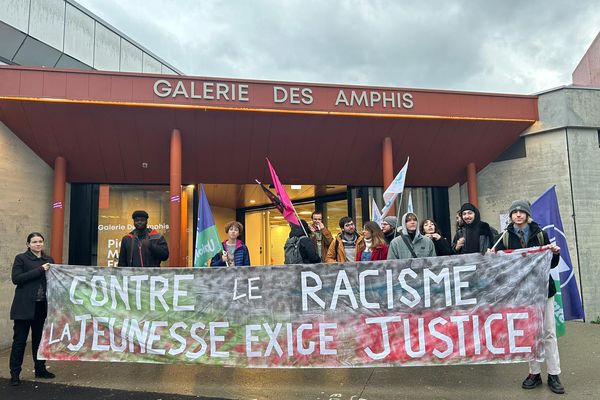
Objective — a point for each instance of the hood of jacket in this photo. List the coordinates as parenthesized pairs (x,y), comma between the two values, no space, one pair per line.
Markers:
(297,231)
(471,207)
(405,231)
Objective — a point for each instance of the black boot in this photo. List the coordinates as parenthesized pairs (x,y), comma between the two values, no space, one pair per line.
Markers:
(555,385)
(532,381)
(14,379)
(44,374)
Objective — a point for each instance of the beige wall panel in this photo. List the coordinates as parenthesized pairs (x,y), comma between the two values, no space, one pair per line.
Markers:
(585,172)
(26,206)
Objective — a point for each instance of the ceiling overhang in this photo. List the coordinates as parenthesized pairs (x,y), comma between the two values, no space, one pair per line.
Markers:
(108,126)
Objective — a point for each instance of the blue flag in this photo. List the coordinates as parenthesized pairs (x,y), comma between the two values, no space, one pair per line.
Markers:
(546,213)
(207,236)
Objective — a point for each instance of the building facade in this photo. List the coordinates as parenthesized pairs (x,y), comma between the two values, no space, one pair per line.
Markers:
(114,136)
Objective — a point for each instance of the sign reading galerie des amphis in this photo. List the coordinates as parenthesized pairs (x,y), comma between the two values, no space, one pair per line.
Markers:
(273,95)
(467,309)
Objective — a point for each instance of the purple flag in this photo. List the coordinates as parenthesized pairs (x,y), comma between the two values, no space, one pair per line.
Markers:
(546,213)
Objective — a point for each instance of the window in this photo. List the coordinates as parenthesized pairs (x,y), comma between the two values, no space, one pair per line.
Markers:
(114,216)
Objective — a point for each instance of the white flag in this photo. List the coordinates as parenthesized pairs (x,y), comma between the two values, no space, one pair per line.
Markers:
(409,206)
(395,188)
(375,213)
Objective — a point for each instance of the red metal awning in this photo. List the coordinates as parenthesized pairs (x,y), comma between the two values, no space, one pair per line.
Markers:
(107,125)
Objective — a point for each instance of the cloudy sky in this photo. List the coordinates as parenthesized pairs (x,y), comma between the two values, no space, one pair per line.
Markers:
(508,46)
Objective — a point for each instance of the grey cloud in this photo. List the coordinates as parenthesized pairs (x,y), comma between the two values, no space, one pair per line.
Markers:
(505,46)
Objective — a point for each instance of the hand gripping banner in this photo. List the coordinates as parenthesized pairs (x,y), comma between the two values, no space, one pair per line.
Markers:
(467,309)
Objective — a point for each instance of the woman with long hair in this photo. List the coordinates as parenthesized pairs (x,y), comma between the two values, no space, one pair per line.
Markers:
(430,229)
(30,306)
(373,247)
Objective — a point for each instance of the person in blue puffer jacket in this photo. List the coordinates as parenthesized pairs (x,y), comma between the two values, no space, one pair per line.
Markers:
(235,253)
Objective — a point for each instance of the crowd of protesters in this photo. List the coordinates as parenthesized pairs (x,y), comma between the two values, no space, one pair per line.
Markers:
(307,244)
(405,239)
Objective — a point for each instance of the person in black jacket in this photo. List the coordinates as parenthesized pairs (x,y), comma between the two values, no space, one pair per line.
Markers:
(523,232)
(388,226)
(142,247)
(307,248)
(29,307)
(476,236)
(430,229)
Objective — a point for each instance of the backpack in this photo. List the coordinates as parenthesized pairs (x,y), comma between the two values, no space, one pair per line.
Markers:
(291,250)
(540,237)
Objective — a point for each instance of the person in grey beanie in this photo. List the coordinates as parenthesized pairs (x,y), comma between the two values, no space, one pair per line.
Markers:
(388,226)
(523,232)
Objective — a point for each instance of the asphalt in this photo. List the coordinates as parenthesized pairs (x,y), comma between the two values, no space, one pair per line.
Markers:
(580,361)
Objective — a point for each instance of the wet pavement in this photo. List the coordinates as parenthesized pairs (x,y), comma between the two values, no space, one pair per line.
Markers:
(580,361)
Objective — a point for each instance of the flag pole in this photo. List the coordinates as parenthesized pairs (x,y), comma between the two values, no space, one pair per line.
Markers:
(297,216)
(293,208)
(223,253)
(498,241)
(398,214)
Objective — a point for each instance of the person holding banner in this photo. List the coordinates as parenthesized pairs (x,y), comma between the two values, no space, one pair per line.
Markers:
(410,243)
(235,253)
(30,306)
(430,229)
(523,232)
(344,246)
(373,247)
(477,236)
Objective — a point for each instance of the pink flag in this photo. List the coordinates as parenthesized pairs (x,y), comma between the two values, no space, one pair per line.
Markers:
(288,209)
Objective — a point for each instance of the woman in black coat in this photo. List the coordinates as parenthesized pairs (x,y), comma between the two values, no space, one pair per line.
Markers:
(430,229)
(29,307)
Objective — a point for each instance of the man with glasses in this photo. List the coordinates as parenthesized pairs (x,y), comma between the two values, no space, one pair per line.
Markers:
(343,248)
(388,226)
(320,235)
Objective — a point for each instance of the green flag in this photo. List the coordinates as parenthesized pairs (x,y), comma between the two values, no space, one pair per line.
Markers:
(559,315)
(207,237)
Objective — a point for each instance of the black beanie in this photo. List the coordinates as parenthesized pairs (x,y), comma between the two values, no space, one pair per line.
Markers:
(139,214)
(469,207)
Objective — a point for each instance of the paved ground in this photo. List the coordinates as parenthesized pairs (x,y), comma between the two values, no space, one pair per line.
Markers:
(580,357)
(55,391)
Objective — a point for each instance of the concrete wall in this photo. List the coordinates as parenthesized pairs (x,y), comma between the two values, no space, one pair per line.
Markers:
(572,113)
(585,171)
(548,163)
(26,206)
